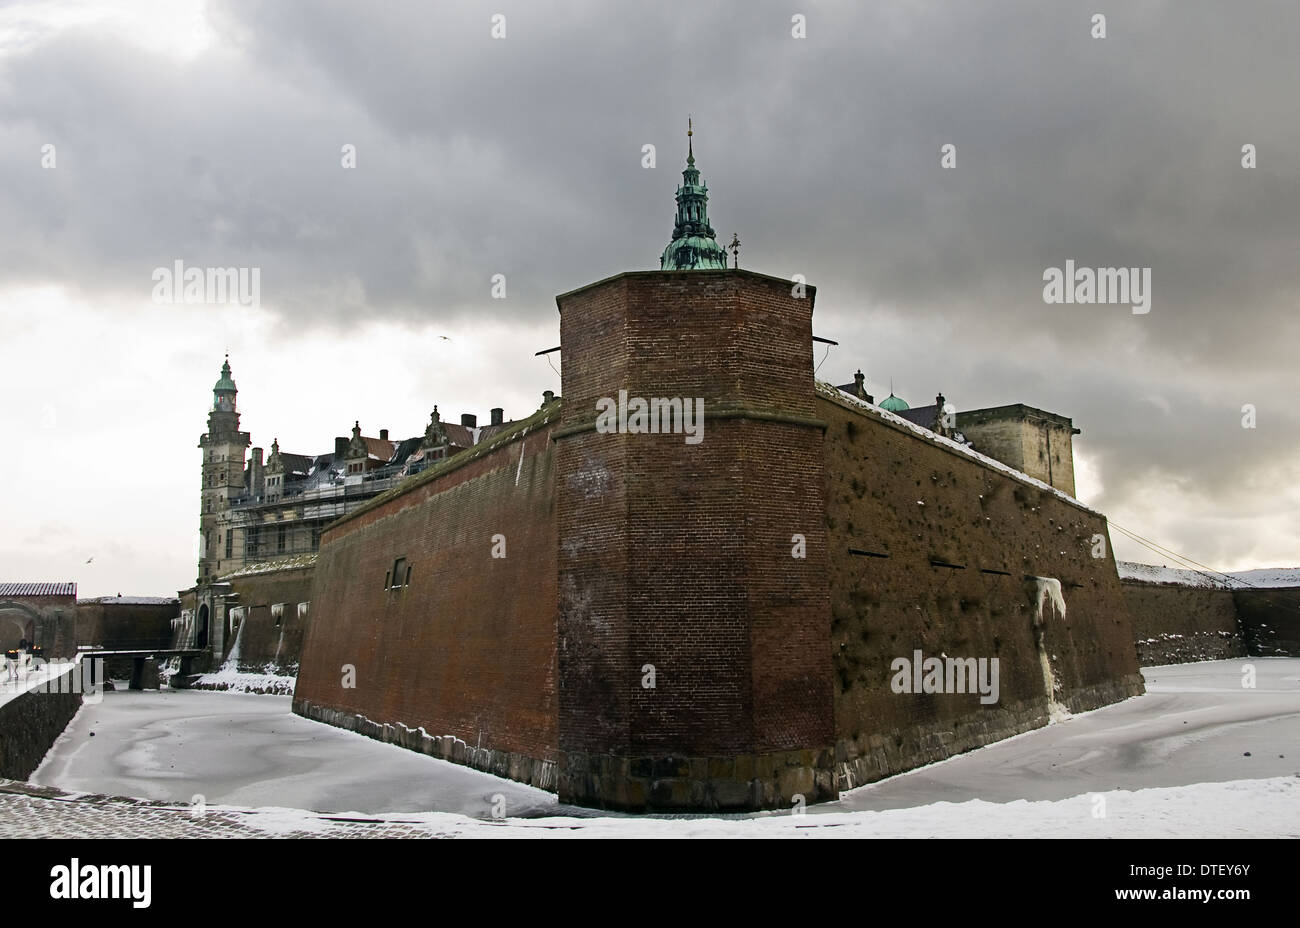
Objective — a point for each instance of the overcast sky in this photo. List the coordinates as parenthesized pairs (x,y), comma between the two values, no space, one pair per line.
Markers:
(212,133)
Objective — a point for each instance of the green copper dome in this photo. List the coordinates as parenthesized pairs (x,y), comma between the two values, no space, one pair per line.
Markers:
(693,247)
(894,403)
(225,384)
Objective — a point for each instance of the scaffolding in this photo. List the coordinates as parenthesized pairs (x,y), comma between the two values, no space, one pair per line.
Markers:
(291,522)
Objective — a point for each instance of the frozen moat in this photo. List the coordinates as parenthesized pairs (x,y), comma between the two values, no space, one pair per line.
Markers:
(1197,724)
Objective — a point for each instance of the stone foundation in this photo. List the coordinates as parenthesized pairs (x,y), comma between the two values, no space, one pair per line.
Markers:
(732,783)
(508,764)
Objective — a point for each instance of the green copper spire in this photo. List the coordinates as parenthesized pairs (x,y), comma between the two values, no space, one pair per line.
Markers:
(223,392)
(225,384)
(693,247)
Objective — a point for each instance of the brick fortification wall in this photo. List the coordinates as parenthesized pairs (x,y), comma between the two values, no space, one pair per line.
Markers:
(676,558)
(711,625)
(460,663)
(1176,624)
(909,504)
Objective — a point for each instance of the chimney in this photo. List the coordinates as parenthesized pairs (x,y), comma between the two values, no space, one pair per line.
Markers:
(257,457)
(383,434)
(340,448)
(469,420)
(498,416)
(859,379)
(548,396)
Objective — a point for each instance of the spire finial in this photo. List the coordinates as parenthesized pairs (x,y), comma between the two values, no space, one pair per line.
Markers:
(690,149)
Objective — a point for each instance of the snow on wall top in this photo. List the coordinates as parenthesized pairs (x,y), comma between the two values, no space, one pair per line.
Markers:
(1149,573)
(834,393)
(270,567)
(1263,578)
(1267,577)
(132,600)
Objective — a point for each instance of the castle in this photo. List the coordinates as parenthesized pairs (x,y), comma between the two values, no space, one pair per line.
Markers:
(746,589)
(642,622)
(255,512)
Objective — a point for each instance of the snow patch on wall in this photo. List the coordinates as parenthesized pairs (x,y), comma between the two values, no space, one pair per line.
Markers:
(1048,589)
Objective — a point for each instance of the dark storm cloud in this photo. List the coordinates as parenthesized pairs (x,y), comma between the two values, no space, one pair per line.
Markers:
(522,157)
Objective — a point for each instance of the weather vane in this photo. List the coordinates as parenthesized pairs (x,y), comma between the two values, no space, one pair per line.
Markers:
(735,250)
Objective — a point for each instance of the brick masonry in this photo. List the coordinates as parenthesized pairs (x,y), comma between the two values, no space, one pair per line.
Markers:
(909,505)
(465,652)
(677,556)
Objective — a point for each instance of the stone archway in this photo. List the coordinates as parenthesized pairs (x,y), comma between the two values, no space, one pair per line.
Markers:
(201,628)
(25,629)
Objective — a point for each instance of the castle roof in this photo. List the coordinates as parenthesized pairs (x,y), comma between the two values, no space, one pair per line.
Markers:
(921,415)
(379,449)
(29,588)
(225,384)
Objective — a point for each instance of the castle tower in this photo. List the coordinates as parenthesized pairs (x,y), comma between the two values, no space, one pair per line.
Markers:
(693,246)
(694,664)
(223,447)
(273,476)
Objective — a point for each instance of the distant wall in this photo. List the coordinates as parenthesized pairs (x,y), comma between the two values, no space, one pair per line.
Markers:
(1270,621)
(271,619)
(46,621)
(1174,624)
(909,505)
(460,663)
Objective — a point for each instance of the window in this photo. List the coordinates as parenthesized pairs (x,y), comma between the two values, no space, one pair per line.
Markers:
(315,539)
(400,575)
(230,543)
(277,613)
(279,537)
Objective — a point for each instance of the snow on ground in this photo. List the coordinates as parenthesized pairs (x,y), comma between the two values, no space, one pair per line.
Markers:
(1238,809)
(1196,724)
(227,678)
(1200,755)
